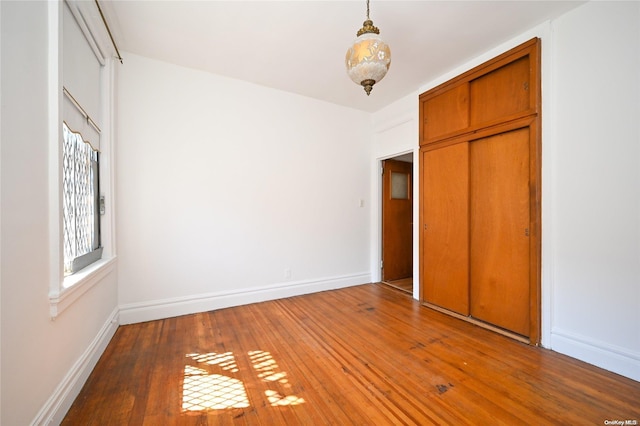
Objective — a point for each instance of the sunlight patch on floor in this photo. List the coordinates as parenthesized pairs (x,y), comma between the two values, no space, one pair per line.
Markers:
(267,370)
(204,390)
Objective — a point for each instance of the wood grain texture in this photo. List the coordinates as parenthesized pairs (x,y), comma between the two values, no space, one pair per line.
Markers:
(500,230)
(444,114)
(445,227)
(501,93)
(365,355)
(397,222)
(499,96)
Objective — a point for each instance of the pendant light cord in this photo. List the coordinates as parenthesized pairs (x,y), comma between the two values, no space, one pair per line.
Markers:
(367,10)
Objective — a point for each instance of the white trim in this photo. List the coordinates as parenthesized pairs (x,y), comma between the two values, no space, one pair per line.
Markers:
(382,153)
(66,392)
(79,16)
(65,291)
(166,308)
(56,275)
(610,357)
(107,160)
(0,215)
(377,218)
(549,159)
(78,284)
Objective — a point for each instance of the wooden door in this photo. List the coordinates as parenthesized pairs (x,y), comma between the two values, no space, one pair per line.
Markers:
(499,230)
(488,119)
(445,228)
(397,220)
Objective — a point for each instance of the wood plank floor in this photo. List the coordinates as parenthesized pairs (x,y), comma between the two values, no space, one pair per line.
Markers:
(404,284)
(365,355)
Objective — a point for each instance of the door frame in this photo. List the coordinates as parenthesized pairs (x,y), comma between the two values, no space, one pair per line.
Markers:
(377,218)
(532,118)
(397,264)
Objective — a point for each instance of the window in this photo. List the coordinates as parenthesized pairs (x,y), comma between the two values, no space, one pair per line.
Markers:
(399,186)
(80,202)
(81,228)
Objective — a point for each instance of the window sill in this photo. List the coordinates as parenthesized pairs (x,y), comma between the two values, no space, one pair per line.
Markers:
(74,286)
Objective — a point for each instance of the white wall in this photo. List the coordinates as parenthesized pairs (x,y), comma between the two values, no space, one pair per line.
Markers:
(590,179)
(224,185)
(0,219)
(43,361)
(395,132)
(596,219)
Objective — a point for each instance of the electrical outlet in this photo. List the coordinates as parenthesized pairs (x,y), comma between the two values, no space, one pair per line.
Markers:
(287,273)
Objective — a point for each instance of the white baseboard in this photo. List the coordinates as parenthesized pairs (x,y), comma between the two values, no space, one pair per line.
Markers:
(167,308)
(609,357)
(56,407)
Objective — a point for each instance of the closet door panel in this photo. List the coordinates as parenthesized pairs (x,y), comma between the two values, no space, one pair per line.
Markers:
(445,227)
(499,230)
(502,92)
(445,113)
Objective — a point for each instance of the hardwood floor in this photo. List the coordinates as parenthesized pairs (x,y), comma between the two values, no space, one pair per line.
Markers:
(365,355)
(404,284)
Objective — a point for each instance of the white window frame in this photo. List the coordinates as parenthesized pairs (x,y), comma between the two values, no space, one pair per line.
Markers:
(64,291)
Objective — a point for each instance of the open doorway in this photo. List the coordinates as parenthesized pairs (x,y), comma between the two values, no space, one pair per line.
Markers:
(397,222)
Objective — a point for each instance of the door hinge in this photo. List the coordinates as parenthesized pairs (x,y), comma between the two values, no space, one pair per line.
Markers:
(381,264)
(382,169)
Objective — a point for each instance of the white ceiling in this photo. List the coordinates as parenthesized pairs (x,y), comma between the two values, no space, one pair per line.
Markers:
(299,46)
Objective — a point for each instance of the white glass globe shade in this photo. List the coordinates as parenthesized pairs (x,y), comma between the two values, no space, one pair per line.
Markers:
(368,58)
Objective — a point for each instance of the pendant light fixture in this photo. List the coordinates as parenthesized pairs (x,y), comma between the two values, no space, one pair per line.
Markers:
(369,57)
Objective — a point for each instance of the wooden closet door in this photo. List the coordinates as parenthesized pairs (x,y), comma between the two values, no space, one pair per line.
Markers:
(445,225)
(499,230)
